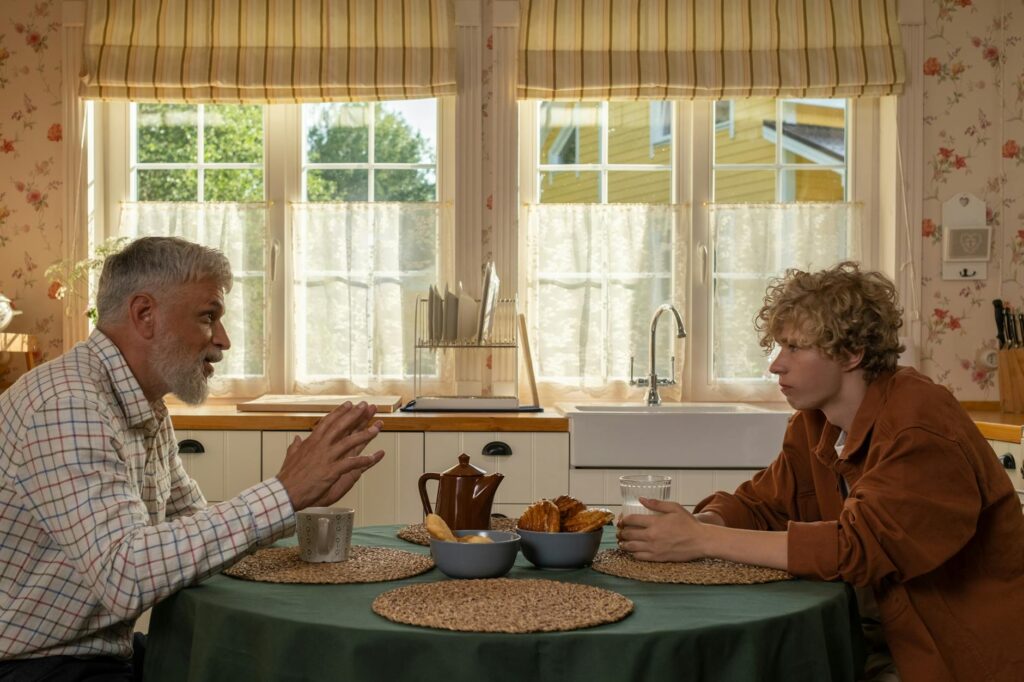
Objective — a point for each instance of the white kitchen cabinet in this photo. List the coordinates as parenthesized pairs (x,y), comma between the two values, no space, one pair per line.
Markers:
(600,487)
(537,467)
(228,464)
(1016,451)
(384,494)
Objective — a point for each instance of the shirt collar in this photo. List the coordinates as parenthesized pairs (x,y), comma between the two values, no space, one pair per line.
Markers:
(138,411)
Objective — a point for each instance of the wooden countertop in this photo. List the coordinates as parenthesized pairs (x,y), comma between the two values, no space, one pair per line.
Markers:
(227,417)
(993,423)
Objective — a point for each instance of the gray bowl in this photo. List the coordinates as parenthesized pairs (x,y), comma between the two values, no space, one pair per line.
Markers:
(559,550)
(485,560)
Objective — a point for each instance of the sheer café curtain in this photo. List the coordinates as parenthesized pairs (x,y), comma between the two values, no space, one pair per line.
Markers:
(582,50)
(288,51)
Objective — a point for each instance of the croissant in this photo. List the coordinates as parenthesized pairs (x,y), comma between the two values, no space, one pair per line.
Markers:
(568,506)
(540,516)
(588,520)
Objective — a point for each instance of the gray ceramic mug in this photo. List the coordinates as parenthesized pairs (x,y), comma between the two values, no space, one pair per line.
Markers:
(325,533)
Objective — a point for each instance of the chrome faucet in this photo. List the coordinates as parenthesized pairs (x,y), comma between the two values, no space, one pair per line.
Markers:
(652,382)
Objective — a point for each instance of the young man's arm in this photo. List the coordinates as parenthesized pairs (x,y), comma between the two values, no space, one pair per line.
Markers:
(677,535)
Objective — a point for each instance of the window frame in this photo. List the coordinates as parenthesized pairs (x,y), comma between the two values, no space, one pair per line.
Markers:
(692,173)
(110,185)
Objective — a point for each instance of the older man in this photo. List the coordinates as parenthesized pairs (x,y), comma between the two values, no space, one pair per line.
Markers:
(98,519)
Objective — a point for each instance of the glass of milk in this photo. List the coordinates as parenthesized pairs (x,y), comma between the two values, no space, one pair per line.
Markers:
(652,486)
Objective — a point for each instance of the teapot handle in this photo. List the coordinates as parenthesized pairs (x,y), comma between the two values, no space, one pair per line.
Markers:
(423,491)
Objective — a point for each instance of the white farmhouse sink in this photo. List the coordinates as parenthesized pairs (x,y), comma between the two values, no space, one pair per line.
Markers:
(674,435)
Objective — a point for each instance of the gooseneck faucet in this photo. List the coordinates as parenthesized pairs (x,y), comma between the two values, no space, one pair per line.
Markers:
(653,398)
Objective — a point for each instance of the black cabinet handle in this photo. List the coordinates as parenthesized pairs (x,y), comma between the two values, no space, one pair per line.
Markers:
(190,446)
(1008,461)
(496,448)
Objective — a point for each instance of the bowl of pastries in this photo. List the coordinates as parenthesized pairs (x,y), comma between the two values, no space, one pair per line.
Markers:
(471,553)
(561,533)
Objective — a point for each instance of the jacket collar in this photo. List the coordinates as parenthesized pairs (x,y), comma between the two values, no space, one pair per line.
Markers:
(863,422)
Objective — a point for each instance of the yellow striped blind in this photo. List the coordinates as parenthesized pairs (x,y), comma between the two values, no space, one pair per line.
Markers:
(708,49)
(260,51)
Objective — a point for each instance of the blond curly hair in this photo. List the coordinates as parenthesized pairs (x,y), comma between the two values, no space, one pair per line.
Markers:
(841,310)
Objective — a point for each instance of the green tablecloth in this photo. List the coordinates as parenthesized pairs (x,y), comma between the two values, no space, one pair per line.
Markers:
(228,629)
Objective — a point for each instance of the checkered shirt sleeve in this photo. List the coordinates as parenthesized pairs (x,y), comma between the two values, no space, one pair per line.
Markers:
(99,521)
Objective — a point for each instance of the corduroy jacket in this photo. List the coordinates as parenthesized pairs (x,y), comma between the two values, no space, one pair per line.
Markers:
(931,523)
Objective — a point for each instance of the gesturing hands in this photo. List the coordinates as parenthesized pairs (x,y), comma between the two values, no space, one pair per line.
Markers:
(319,470)
(673,535)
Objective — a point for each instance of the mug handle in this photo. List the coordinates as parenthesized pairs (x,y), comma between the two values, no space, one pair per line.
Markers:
(423,491)
(323,527)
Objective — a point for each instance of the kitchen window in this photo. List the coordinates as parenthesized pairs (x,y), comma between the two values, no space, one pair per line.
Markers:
(700,213)
(330,214)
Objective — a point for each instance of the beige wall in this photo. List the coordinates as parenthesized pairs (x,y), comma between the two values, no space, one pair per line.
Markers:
(974,111)
(31,191)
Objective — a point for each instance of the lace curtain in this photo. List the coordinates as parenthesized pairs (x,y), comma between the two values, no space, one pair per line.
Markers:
(357,271)
(595,274)
(754,243)
(239,230)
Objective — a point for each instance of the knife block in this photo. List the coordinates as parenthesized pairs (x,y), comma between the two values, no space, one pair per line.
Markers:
(1011,379)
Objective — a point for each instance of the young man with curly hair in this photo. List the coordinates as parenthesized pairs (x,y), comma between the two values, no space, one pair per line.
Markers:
(883,481)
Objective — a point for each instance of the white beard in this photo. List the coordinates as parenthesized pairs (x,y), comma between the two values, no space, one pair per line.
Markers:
(183,375)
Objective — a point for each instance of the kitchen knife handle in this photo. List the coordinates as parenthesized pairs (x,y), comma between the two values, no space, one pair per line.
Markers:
(1000,334)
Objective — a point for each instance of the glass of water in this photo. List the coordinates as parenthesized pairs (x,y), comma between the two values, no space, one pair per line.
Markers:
(652,486)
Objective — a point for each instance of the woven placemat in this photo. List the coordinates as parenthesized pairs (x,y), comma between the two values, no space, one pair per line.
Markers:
(364,565)
(698,572)
(502,605)
(417,534)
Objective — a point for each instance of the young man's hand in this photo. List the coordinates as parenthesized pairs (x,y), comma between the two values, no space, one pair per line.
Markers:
(319,470)
(672,535)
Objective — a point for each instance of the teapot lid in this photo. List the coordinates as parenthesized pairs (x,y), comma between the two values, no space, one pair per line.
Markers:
(463,468)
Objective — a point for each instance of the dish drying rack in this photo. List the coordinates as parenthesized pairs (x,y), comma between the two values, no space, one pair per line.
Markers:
(502,337)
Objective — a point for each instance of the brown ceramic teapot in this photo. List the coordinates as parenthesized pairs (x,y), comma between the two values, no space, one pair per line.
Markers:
(464,495)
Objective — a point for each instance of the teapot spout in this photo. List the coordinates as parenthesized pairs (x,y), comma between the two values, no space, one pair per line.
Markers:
(484,490)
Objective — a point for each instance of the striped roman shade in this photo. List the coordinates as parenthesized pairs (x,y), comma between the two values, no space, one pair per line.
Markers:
(258,51)
(708,49)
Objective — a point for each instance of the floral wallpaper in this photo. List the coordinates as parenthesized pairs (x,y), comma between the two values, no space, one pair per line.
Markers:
(973,142)
(31,192)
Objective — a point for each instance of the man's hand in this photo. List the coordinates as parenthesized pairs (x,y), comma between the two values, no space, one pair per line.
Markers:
(678,535)
(319,470)
(673,535)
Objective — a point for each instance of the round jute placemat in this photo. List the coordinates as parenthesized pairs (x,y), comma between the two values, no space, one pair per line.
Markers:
(364,565)
(502,605)
(417,534)
(698,572)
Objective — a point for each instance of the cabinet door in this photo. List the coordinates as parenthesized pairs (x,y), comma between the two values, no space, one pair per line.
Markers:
(229,463)
(1016,472)
(384,494)
(537,467)
(689,486)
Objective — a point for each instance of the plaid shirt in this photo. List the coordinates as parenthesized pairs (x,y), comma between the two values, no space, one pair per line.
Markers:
(98,519)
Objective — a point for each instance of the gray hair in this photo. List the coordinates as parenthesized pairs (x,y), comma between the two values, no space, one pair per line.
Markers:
(153,265)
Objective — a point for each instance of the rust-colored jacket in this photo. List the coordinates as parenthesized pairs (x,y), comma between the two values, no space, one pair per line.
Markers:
(932,524)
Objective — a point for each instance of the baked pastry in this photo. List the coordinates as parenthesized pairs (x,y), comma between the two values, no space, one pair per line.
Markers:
(541,516)
(439,529)
(588,520)
(568,506)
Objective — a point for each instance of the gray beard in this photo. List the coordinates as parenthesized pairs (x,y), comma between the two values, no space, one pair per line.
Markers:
(182,374)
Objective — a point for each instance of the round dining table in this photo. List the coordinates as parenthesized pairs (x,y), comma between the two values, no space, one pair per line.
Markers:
(230,629)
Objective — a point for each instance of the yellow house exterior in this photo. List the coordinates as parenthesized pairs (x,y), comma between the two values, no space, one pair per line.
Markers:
(744,136)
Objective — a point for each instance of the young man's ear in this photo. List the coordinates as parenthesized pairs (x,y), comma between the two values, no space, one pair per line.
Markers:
(142,315)
(853,361)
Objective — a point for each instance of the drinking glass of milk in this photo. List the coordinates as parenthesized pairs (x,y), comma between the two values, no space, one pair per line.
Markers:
(652,486)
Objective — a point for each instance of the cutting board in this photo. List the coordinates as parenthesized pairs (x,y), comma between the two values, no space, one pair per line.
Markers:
(317,403)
